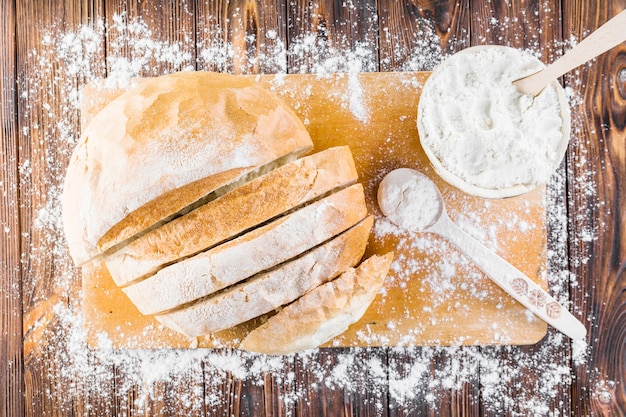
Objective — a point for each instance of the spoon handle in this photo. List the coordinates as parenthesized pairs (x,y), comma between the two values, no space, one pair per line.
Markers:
(512,280)
(612,33)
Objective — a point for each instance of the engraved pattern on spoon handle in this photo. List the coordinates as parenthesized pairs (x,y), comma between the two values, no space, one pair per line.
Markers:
(511,280)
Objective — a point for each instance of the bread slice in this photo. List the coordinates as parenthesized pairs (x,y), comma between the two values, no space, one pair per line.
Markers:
(178,202)
(270,290)
(251,253)
(245,207)
(164,134)
(323,313)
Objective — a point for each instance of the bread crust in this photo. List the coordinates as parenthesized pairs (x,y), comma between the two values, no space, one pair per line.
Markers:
(169,203)
(270,290)
(323,313)
(159,136)
(245,207)
(251,253)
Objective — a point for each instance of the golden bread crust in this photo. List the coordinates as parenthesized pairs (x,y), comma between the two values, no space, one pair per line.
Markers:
(161,135)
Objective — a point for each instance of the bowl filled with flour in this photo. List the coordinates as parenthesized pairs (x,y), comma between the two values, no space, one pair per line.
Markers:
(482,135)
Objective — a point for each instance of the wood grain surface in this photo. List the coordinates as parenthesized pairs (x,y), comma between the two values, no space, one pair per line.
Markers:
(38,283)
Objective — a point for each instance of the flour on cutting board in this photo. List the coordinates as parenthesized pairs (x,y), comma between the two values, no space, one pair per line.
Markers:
(406,371)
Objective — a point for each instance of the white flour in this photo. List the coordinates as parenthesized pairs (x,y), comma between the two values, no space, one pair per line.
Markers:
(131,376)
(409,199)
(481,129)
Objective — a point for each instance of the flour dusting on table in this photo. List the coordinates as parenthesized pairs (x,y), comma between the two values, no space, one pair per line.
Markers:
(76,57)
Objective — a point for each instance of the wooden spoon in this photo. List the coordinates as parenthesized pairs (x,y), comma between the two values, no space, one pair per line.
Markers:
(604,38)
(412,201)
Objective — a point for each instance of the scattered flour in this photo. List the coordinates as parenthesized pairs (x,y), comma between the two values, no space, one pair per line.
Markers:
(407,373)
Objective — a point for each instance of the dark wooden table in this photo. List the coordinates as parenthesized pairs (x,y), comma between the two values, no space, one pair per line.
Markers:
(45,371)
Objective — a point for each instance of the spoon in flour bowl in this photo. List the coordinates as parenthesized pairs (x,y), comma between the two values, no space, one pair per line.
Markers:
(412,201)
(607,36)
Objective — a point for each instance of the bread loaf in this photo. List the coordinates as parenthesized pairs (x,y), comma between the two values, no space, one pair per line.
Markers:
(245,207)
(193,190)
(270,290)
(166,133)
(323,313)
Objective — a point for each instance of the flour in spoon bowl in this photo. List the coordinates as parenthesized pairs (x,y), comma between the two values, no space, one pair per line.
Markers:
(409,199)
(482,135)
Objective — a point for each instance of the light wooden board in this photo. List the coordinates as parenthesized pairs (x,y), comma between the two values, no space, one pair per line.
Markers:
(374,113)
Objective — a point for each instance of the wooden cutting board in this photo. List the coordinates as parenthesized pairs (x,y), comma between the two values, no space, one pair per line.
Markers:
(432,296)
